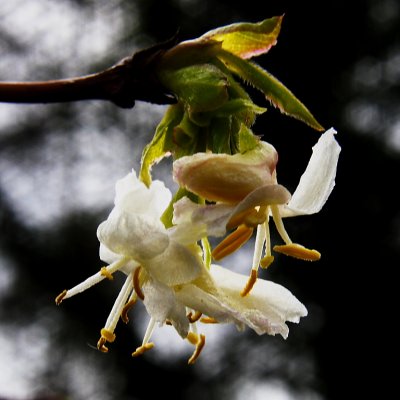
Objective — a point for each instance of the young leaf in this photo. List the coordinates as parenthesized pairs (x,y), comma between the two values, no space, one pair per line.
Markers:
(278,94)
(246,40)
(156,150)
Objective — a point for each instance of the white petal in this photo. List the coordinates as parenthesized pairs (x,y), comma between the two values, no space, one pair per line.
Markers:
(137,236)
(318,180)
(161,304)
(227,178)
(133,196)
(265,309)
(177,264)
(109,257)
(205,220)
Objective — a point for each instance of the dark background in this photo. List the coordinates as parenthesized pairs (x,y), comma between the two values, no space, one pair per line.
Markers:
(58,165)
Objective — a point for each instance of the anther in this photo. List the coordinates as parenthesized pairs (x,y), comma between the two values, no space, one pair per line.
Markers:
(193,338)
(232,242)
(250,283)
(61,296)
(298,251)
(107,334)
(142,349)
(193,317)
(239,218)
(199,347)
(208,320)
(127,307)
(266,261)
(101,345)
(104,272)
(136,283)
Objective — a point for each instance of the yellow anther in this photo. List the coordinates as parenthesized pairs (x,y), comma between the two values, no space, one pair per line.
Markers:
(298,251)
(101,345)
(256,217)
(127,307)
(208,320)
(250,283)
(136,283)
(239,218)
(105,273)
(108,335)
(142,349)
(193,338)
(266,261)
(199,347)
(193,317)
(232,242)
(60,297)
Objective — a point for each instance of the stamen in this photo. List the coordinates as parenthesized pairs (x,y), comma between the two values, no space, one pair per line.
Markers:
(298,251)
(142,349)
(92,280)
(101,345)
(136,283)
(193,338)
(232,242)
(107,333)
(250,283)
(266,261)
(279,224)
(106,274)
(106,336)
(209,320)
(131,302)
(199,347)
(149,331)
(60,297)
(193,317)
(239,218)
(257,217)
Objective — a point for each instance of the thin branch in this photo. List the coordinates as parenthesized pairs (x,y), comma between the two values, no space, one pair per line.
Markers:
(133,78)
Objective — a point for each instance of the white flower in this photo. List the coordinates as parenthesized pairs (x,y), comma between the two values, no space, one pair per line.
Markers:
(134,240)
(216,177)
(164,269)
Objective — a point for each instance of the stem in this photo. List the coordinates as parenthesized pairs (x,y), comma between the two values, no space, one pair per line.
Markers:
(133,78)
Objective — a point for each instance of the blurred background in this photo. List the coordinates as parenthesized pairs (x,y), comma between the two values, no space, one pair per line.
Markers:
(59,164)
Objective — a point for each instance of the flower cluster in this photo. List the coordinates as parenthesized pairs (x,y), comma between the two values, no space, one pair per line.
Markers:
(227,188)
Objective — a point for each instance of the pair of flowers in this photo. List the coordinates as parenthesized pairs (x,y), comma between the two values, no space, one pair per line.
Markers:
(170,269)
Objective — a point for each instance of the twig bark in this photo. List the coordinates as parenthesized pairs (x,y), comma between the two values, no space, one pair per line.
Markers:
(133,78)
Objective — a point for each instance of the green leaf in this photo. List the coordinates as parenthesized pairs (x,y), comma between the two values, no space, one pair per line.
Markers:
(278,94)
(200,88)
(157,149)
(246,40)
(247,140)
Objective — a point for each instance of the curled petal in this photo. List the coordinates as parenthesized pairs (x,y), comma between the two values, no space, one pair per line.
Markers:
(263,196)
(318,180)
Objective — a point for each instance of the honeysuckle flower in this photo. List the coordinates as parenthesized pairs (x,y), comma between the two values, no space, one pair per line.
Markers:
(134,241)
(164,269)
(246,193)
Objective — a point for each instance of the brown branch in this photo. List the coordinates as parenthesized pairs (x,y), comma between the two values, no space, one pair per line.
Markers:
(133,78)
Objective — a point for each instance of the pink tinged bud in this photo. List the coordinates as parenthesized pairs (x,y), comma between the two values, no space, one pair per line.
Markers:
(227,178)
